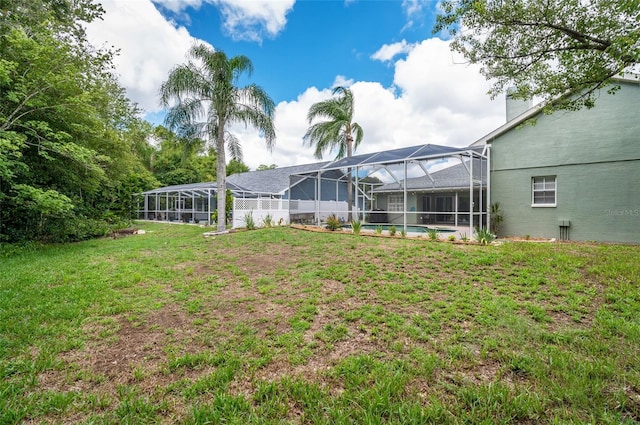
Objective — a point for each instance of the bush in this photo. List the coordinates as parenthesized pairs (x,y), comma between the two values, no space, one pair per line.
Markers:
(392,230)
(356,226)
(268,221)
(78,229)
(484,236)
(433,234)
(496,217)
(333,222)
(378,230)
(248,221)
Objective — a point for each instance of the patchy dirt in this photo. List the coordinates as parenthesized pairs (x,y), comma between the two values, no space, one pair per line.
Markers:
(259,294)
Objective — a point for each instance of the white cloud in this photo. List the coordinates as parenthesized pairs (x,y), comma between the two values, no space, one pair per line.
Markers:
(253,20)
(413,7)
(149,47)
(177,6)
(342,81)
(291,125)
(433,75)
(434,99)
(388,51)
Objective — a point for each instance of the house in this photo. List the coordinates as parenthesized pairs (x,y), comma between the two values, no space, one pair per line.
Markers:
(384,182)
(439,198)
(570,174)
(416,185)
(259,193)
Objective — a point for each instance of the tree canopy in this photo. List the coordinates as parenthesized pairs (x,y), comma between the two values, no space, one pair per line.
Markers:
(68,133)
(562,51)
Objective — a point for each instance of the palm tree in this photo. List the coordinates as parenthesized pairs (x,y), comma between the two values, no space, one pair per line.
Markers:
(338,131)
(206,100)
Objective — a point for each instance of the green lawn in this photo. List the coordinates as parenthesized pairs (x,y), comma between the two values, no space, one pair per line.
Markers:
(280,325)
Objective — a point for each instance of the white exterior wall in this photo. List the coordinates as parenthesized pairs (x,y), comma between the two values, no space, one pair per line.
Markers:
(279,210)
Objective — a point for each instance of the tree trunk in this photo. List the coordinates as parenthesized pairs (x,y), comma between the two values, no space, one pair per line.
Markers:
(221,180)
(349,185)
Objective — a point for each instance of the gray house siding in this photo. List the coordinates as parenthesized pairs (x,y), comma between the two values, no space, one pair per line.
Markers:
(595,156)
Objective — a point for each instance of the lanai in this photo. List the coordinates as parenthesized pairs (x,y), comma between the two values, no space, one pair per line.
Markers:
(409,171)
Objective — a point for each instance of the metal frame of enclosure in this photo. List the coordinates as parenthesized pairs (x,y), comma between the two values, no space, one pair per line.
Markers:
(370,172)
(188,203)
(404,175)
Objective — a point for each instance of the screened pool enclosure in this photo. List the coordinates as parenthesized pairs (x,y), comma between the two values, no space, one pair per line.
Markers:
(426,185)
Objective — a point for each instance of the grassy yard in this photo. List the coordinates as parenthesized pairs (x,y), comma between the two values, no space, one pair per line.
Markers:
(280,325)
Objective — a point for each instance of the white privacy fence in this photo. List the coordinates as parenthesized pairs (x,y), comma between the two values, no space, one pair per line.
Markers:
(283,211)
(260,208)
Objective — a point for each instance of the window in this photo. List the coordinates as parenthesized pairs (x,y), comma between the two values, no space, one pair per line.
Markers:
(395,203)
(543,191)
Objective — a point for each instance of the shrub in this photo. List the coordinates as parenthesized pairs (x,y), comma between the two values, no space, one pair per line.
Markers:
(268,221)
(451,238)
(79,229)
(248,221)
(403,233)
(356,226)
(333,222)
(433,234)
(378,230)
(392,230)
(464,237)
(496,217)
(484,236)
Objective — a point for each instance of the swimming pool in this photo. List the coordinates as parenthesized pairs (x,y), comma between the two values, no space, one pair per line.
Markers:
(399,227)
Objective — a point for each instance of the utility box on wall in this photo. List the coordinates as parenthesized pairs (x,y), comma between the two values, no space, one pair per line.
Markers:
(564,229)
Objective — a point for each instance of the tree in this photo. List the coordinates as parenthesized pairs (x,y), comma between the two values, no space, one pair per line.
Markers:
(236,166)
(337,131)
(562,51)
(263,167)
(204,100)
(181,161)
(67,165)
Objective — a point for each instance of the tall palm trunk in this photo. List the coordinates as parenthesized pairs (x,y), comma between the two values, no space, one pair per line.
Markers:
(221,180)
(349,185)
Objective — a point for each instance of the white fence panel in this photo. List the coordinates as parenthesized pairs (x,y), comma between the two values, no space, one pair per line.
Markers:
(279,210)
(339,208)
(259,208)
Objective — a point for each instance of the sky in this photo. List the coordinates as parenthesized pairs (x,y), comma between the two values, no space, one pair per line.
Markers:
(409,87)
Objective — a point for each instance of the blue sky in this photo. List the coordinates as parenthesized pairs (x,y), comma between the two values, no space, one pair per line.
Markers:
(408,86)
(320,40)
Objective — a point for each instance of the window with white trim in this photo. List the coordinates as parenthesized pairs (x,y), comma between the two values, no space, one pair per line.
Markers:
(543,191)
(395,203)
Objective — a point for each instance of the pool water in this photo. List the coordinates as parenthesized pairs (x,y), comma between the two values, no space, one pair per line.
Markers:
(399,227)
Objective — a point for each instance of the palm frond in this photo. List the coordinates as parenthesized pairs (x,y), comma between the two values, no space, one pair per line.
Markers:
(234,146)
(337,129)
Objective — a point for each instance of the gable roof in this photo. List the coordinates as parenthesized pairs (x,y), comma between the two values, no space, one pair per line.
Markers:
(278,180)
(537,109)
(275,181)
(265,182)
